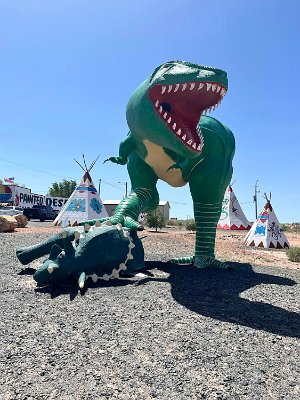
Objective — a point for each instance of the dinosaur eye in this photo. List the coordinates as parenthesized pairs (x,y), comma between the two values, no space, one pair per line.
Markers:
(166,107)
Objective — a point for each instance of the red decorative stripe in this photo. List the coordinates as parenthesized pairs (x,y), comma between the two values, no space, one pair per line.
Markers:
(234,227)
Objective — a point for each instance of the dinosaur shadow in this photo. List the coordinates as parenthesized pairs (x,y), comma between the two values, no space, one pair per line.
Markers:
(216,294)
(73,291)
(27,271)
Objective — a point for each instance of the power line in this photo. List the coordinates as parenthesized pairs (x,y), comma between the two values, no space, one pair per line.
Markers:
(110,184)
(33,169)
(49,173)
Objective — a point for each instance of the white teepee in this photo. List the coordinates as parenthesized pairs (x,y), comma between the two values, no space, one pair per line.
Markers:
(232,216)
(83,204)
(266,231)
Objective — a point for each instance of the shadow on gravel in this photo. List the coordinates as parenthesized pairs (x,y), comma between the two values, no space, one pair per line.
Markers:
(73,290)
(27,271)
(216,294)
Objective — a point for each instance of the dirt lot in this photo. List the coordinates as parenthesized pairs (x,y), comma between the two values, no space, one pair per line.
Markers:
(229,244)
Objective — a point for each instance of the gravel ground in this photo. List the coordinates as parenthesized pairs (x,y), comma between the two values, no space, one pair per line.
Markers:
(178,333)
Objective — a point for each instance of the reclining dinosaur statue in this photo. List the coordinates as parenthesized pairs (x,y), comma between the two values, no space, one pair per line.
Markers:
(99,252)
(170,139)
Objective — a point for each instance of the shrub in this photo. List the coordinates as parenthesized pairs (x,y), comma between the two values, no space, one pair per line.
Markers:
(293,254)
(154,219)
(191,225)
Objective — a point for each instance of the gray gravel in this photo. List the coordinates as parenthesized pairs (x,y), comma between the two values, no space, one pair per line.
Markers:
(178,333)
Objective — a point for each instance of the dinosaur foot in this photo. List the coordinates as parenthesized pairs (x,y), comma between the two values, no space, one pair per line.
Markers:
(200,262)
(182,260)
(126,222)
(209,262)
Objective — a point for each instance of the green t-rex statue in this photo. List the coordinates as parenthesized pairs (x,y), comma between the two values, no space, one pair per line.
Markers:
(170,139)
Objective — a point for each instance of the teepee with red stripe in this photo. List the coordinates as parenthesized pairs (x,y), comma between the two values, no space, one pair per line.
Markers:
(232,216)
(83,204)
(266,230)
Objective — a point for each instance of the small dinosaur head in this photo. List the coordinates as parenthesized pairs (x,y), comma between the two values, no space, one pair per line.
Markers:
(167,107)
(55,269)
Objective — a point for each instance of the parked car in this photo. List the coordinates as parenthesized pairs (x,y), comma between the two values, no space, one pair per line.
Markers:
(40,212)
(11,210)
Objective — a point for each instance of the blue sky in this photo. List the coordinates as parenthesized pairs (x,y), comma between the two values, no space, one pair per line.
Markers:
(69,67)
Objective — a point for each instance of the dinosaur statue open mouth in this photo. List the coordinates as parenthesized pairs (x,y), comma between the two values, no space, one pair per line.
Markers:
(181,105)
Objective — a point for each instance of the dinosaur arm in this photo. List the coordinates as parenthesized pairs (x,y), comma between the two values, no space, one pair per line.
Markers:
(127,146)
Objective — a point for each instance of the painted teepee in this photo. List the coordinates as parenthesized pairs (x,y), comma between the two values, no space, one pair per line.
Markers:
(266,231)
(232,216)
(83,204)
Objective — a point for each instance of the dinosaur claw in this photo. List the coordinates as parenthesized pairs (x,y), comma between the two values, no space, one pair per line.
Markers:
(81,280)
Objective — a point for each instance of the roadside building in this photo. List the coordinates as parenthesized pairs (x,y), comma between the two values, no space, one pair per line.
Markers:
(164,207)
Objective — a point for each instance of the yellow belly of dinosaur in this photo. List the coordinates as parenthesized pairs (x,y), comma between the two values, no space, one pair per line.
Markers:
(160,162)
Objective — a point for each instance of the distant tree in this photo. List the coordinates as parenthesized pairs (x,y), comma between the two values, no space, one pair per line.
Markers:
(154,219)
(191,225)
(62,189)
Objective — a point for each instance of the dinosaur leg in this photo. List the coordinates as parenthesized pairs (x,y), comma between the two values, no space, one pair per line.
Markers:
(207,188)
(27,254)
(143,195)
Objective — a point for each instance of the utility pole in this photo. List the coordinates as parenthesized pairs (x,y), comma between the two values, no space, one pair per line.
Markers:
(125,183)
(99,186)
(255,197)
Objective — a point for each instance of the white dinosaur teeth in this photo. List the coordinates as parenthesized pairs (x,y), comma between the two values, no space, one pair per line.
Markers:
(192,86)
(176,87)
(165,115)
(169,120)
(200,86)
(183,137)
(157,103)
(174,126)
(223,91)
(119,227)
(179,131)
(189,141)
(184,86)
(208,86)
(194,146)
(170,88)
(163,89)
(218,88)
(213,88)
(160,109)
(98,224)
(199,148)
